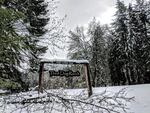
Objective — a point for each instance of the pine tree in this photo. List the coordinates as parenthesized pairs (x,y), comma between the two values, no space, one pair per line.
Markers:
(118,52)
(37,20)
(34,24)
(131,41)
(139,21)
(98,57)
(12,46)
(129,53)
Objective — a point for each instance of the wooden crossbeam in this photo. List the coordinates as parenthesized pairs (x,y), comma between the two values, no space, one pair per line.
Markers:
(58,61)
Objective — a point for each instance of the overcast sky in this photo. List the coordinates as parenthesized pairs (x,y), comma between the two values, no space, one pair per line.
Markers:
(80,12)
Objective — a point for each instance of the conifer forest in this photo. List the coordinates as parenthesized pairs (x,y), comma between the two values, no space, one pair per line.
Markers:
(118,54)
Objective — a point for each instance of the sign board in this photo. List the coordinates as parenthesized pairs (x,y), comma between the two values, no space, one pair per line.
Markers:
(69,73)
(62,73)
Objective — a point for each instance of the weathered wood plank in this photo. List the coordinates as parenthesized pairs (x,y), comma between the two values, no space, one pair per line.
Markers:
(41,78)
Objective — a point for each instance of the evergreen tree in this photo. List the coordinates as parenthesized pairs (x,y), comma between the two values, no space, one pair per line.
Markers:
(12,46)
(131,41)
(98,62)
(118,58)
(140,22)
(37,20)
(91,46)
(129,53)
(22,28)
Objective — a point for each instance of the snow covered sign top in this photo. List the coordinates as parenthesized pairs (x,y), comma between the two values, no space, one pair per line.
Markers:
(64,61)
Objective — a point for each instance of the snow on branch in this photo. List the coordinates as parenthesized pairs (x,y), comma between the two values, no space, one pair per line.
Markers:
(61,102)
(64,61)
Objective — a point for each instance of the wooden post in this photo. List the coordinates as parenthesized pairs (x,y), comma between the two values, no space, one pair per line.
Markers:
(88,81)
(41,78)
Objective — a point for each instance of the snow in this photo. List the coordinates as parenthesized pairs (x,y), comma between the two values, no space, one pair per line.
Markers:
(142,100)
(141,103)
(65,61)
(3,91)
(141,93)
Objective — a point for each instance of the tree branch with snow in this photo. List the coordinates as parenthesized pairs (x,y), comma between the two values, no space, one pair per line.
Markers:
(61,102)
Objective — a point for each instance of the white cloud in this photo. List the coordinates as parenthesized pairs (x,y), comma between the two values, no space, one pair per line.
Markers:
(107,16)
(80,12)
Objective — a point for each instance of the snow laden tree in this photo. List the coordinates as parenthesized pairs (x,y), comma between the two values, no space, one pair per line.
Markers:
(12,47)
(37,20)
(98,57)
(138,19)
(129,53)
(118,58)
(91,45)
(25,24)
(44,31)
(79,46)
(133,21)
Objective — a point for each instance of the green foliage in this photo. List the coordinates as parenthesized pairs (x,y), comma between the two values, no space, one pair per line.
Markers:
(9,85)
(22,26)
(8,16)
(1,1)
(12,46)
(11,42)
(36,18)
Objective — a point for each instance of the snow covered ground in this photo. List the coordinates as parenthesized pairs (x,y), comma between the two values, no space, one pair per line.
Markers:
(141,93)
(142,99)
(141,103)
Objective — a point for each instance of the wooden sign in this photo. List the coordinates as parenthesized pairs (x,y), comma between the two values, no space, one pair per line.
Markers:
(62,73)
(85,64)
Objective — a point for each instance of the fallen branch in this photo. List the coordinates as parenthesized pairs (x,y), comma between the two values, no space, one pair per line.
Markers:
(103,102)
